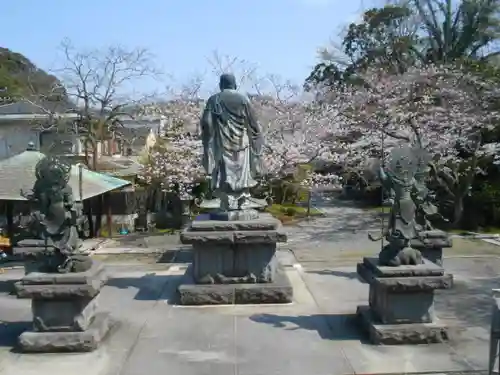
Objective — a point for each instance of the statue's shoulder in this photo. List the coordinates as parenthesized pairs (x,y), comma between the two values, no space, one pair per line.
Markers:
(211,100)
(234,96)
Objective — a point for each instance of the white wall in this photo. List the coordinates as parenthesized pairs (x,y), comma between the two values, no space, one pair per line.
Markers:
(15,137)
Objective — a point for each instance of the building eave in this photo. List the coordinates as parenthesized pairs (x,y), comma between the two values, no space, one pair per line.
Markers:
(21,117)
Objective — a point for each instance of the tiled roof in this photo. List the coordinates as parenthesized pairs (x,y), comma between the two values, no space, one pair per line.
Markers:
(119,166)
(18,174)
(26,108)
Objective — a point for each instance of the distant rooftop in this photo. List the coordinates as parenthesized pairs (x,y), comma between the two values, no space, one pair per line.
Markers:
(24,107)
(119,166)
(17,174)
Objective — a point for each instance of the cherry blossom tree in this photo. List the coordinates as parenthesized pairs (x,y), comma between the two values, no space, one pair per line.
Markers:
(174,163)
(438,107)
(294,131)
(444,109)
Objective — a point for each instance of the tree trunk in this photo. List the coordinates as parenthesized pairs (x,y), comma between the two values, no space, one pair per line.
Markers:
(94,158)
(86,152)
(458,209)
(309,202)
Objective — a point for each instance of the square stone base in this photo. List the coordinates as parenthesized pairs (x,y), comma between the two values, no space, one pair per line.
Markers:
(236,215)
(278,291)
(52,342)
(400,334)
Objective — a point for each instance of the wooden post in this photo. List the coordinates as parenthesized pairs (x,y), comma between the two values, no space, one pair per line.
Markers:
(9,213)
(309,201)
(109,214)
(99,212)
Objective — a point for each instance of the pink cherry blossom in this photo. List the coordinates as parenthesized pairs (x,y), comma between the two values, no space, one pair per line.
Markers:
(347,127)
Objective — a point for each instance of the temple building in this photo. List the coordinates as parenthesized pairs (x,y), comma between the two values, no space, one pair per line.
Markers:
(90,188)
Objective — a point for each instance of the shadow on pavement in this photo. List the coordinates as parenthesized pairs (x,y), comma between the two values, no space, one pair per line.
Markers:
(10,331)
(150,287)
(7,286)
(344,274)
(329,327)
(180,255)
(468,302)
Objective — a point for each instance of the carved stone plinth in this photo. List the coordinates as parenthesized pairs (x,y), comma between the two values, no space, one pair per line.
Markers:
(65,311)
(401,303)
(432,244)
(29,250)
(278,291)
(36,257)
(235,262)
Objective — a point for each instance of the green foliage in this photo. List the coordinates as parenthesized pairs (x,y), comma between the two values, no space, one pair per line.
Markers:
(19,77)
(482,206)
(201,189)
(288,190)
(395,37)
(288,213)
(379,40)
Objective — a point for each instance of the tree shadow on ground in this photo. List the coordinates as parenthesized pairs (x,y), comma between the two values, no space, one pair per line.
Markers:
(10,332)
(345,274)
(179,255)
(470,302)
(8,286)
(328,326)
(344,225)
(150,287)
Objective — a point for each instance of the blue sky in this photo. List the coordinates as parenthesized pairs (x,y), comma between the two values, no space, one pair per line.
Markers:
(280,36)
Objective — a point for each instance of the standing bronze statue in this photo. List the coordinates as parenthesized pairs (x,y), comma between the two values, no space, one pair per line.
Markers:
(53,220)
(399,176)
(232,146)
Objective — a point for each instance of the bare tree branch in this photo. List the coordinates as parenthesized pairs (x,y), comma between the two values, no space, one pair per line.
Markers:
(242,69)
(101,82)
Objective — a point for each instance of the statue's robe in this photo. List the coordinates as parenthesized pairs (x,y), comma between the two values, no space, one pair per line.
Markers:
(402,217)
(232,142)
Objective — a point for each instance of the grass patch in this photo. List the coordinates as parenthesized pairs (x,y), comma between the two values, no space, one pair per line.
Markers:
(286,213)
(379,209)
(487,230)
(103,233)
(289,213)
(490,230)
(165,231)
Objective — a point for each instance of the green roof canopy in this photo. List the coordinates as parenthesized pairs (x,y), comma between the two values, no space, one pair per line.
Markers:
(17,174)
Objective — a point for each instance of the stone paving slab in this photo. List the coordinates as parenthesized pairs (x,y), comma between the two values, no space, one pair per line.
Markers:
(314,335)
(84,364)
(466,308)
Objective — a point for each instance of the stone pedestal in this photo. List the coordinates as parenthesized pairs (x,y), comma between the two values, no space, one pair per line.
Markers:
(494,334)
(28,250)
(235,263)
(65,311)
(401,303)
(432,244)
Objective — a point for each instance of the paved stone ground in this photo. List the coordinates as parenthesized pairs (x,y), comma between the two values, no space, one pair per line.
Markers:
(314,335)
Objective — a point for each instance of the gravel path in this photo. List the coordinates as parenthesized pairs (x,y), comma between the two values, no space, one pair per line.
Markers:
(342,232)
(341,236)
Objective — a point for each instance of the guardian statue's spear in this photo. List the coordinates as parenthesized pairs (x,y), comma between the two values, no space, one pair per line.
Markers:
(382,196)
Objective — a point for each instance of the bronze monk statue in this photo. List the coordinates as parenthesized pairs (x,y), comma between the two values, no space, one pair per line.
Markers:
(232,146)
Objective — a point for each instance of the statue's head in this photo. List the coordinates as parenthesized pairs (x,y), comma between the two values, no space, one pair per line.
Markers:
(227,81)
(51,171)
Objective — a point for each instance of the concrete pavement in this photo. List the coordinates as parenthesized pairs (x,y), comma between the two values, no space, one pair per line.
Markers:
(314,335)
